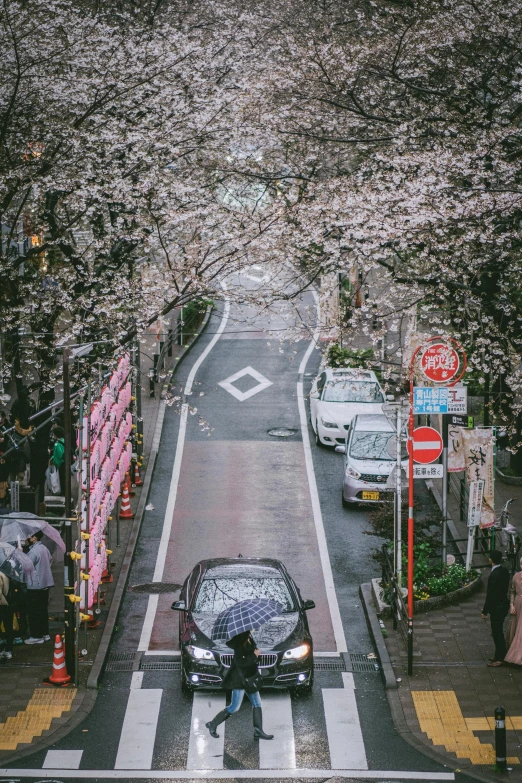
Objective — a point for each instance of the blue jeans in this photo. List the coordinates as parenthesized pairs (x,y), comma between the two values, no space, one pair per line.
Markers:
(237,699)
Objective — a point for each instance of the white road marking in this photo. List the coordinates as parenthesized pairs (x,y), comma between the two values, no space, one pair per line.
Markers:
(224,774)
(139,729)
(137,680)
(150,616)
(62,759)
(333,604)
(345,738)
(148,623)
(206,752)
(228,384)
(174,653)
(278,753)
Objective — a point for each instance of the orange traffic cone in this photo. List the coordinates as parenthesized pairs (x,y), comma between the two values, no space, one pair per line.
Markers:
(128,483)
(59,674)
(137,478)
(125,508)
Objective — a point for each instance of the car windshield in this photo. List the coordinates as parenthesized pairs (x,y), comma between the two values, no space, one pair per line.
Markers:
(219,593)
(373,445)
(346,390)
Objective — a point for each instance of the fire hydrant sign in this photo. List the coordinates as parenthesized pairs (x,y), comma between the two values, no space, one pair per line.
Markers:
(427,445)
(441,399)
(476,493)
(440,362)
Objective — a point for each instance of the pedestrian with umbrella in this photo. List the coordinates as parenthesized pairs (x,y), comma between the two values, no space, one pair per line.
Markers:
(234,626)
(43,540)
(15,568)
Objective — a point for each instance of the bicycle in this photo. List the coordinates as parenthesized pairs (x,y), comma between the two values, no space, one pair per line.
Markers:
(511,540)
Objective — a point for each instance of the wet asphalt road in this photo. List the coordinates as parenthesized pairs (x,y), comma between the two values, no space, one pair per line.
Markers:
(242,490)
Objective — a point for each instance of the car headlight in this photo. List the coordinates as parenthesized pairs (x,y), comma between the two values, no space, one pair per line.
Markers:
(329,424)
(297,652)
(352,472)
(199,653)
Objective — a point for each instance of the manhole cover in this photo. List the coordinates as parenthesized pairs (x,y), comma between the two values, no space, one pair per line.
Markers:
(155,587)
(282,432)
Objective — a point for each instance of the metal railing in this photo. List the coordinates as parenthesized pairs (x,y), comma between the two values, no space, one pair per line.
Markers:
(401,620)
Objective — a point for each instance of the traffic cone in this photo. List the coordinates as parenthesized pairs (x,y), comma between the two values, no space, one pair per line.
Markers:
(125,508)
(128,483)
(137,478)
(59,674)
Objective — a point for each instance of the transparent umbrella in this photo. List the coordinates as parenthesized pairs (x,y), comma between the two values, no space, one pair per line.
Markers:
(15,564)
(19,525)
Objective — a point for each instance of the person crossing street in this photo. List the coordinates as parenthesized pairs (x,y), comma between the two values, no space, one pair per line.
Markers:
(242,670)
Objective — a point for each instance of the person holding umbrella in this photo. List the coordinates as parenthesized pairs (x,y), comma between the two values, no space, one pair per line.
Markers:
(15,568)
(38,590)
(234,625)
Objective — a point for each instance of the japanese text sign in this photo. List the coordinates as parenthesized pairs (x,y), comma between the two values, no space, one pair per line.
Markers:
(430,399)
(439,362)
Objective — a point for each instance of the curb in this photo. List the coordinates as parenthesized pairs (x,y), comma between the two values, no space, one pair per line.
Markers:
(98,666)
(387,672)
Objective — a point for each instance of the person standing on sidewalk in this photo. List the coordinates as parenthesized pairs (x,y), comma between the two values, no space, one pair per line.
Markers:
(38,591)
(514,654)
(497,605)
(6,617)
(58,454)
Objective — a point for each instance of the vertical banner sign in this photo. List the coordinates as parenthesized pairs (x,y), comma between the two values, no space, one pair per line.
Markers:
(456,455)
(478,448)
(476,494)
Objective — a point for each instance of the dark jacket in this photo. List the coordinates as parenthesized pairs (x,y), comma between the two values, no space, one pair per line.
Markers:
(244,659)
(497,592)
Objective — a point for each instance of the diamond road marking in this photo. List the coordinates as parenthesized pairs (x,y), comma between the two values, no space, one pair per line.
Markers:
(228,384)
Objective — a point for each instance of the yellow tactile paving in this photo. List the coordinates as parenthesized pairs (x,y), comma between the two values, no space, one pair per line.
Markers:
(45,704)
(441,719)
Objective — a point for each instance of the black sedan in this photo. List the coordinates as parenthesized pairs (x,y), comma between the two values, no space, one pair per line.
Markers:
(286,659)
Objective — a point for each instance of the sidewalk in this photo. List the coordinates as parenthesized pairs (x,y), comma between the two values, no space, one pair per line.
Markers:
(32,715)
(447,705)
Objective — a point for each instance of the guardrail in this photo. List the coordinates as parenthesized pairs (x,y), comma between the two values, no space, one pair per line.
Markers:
(401,621)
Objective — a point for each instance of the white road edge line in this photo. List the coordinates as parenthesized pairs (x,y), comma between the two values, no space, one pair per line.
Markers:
(213,774)
(333,604)
(150,616)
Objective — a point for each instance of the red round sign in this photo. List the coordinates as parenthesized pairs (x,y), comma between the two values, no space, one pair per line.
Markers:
(440,362)
(427,445)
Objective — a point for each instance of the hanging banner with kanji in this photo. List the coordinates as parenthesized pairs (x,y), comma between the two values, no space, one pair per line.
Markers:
(478,451)
(456,455)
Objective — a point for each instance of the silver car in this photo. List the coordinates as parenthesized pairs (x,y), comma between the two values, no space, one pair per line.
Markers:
(369,456)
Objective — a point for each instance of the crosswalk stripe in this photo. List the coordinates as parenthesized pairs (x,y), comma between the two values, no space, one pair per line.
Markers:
(206,752)
(278,753)
(345,738)
(139,729)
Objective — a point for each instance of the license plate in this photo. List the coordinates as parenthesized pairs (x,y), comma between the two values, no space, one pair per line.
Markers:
(370,496)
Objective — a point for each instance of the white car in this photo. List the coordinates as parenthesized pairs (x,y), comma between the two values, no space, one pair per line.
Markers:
(337,395)
(370,453)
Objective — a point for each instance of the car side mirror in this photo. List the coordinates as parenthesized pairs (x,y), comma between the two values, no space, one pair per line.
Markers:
(314,395)
(340,449)
(390,397)
(308,605)
(179,606)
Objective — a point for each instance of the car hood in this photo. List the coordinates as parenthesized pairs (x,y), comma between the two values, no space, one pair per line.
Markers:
(342,413)
(380,467)
(282,631)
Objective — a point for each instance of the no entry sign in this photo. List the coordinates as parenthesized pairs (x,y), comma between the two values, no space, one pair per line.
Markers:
(427,445)
(440,362)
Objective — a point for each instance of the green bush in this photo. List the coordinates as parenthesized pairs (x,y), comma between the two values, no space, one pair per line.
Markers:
(349,357)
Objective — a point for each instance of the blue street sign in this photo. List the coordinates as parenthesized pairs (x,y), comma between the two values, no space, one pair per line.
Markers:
(441,399)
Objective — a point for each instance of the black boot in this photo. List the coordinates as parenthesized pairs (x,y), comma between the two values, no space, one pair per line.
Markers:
(258,725)
(214,723)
